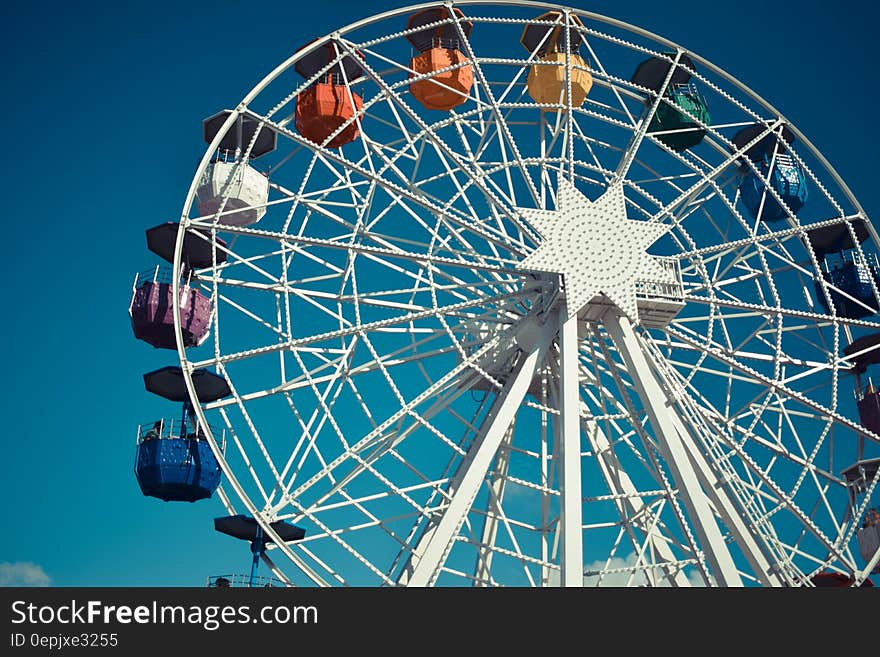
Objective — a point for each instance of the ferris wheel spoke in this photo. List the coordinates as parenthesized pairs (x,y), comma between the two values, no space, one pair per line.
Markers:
(707,411)
(774,385)
(377,435)
(782,499)
(501,265)
(810,367)
(310,431)
(587,142)
(777,235)
(450,173)
(651,464)
(403,192)
(345,545)
(471,171)
(785,312)
(505,134)
(742,512)
(364,463)
(582,35)
(378,325)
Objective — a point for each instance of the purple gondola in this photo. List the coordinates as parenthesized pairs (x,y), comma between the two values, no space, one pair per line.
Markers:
(152,311)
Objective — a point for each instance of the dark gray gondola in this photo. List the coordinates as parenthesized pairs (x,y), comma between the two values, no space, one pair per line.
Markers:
(246,126)
(246,528)
(197,249)
(168,382)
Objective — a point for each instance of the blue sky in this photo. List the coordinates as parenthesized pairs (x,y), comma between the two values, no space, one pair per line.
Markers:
(103,106)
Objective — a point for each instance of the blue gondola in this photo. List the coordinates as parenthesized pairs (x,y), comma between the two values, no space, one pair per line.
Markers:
(175,467)
(851,274)
(772,162)
(785,177)
(850,270)
(176,464)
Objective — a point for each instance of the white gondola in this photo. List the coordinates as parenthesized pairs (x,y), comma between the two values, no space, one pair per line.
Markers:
(244,189)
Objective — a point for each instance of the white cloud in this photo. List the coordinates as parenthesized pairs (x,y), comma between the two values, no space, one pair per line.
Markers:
(615,579)
(23,573)
(696,579)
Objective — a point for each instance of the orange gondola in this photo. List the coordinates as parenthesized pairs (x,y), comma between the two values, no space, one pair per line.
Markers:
(329,103)
(440,48)
(547,80)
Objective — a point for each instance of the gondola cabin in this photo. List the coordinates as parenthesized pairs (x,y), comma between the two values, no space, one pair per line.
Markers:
(553,46)
(868,402)
(861,353)
(851,275)
(327,110)
(152,313)
(836,581)
(849,272)
(682,113)
(230,187)
(441,58)
(860,478)
(233,191)
(772,168)
(174,464)
(785,178)
(247,528)
(151,308)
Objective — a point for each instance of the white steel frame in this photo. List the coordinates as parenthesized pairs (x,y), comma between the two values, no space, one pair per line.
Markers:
(592,436)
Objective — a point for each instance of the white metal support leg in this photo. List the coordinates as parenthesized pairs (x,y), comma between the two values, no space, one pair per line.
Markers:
(655,403)
(618,482)
(483,570)
(430,554)
(721,500)
(571,514)
(725,508)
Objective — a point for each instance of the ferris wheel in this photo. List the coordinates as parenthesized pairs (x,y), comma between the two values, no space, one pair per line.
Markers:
(516,294)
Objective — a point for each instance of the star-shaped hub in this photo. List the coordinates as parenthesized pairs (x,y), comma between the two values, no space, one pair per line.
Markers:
(595,247)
